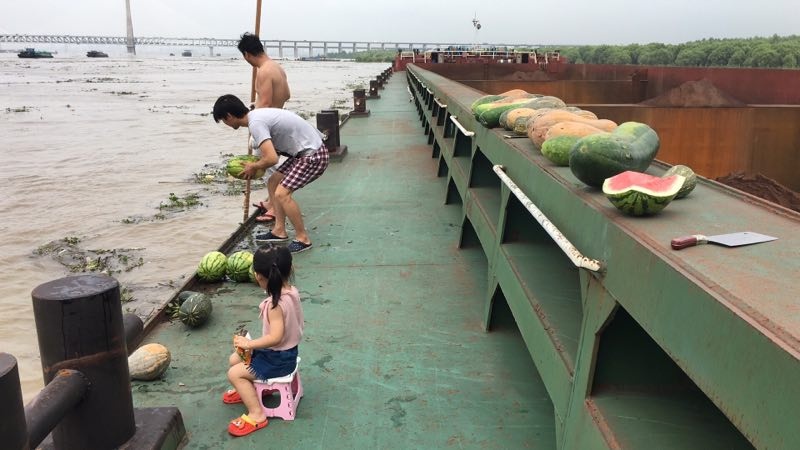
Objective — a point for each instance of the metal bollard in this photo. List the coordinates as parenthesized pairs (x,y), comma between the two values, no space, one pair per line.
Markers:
(373,89)
(80,326)
(13,428)
(328,124)
(359,103)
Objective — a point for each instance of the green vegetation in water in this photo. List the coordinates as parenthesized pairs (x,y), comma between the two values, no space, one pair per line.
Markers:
(67,252)
(190,200)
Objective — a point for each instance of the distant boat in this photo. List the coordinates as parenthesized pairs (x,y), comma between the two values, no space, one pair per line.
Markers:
(96,54)
(186,53)
(31,53)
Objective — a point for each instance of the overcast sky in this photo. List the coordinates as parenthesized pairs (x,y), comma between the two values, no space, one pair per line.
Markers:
(418,21)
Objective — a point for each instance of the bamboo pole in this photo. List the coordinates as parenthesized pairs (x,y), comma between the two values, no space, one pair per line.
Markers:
(246,206)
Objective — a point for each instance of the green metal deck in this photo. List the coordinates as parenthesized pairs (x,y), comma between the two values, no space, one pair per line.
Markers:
(395,353)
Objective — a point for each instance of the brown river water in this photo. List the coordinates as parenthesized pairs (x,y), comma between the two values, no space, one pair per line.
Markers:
(100,156)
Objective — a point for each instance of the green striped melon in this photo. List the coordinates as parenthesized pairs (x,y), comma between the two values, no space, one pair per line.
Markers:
(196,310)
(688,173)
(557,149)
(212,267)
(640,194)
(236,166)
(238,265)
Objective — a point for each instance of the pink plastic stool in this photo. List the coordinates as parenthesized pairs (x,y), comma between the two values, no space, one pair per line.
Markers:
(290,389)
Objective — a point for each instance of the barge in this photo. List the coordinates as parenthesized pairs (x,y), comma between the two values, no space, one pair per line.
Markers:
(463,291)
(33,53)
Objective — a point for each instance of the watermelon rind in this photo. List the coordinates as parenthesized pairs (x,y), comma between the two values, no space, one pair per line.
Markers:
(238,265)
(688,173)
(212,267)
(640,194)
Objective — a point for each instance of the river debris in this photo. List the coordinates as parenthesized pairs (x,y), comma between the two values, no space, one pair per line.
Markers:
(68,252)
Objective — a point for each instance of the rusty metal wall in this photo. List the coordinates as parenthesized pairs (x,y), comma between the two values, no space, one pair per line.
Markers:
(751,86)
(717,141)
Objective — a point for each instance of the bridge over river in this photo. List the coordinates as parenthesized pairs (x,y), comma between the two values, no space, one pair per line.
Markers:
(294,47)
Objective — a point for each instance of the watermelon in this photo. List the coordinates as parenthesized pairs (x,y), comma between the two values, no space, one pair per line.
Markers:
(489,114)
(184,295)
(640,194)
(196,310)
(238,265)
(483,100)
(236,166)
(212,267)
(631,146)
(688,173)
(557,149)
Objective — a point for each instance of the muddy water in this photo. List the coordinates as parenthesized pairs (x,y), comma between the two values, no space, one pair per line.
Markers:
(99,157)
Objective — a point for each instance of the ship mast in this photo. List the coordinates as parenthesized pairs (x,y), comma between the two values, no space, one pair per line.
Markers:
(129,41)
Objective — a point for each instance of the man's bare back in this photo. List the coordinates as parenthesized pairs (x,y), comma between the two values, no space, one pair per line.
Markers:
(272,86)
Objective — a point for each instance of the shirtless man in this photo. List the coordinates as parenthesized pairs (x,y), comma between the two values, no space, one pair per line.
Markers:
(272,91)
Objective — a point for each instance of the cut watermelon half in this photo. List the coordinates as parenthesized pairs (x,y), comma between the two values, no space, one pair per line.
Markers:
(640,194)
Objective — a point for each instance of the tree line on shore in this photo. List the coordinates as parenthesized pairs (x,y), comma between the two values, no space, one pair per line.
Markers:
(766,52)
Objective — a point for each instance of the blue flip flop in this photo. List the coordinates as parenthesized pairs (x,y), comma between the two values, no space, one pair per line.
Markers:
(268,237)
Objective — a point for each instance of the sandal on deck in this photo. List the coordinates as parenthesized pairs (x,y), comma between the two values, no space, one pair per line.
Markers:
(266,217)
(231,396)
(244,425)
(297,246)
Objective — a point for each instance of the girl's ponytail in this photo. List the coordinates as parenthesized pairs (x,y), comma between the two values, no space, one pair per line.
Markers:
(274,283)
(275,264)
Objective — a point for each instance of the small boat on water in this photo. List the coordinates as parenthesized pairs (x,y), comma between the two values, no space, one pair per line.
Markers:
(186,53)
(96,54)
(31,53)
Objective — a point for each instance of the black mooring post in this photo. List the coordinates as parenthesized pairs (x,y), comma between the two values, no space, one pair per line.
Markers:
(373,89)
(13,431)
(80,327)
(359,103)
(328,124)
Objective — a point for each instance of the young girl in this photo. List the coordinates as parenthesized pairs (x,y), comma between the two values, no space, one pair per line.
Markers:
(274,354)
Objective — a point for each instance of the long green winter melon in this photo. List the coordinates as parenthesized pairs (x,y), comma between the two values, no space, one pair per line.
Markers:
(557,149)
(483,100)
(631,146)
